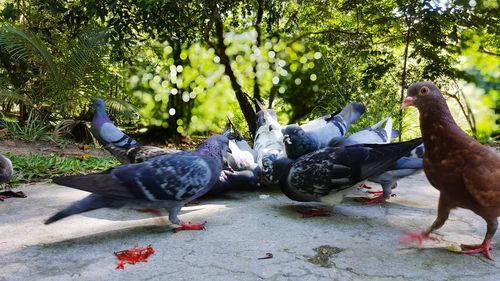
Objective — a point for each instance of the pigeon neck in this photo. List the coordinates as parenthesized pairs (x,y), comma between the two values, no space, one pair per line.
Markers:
(213,153)
(101,115)
(437,124)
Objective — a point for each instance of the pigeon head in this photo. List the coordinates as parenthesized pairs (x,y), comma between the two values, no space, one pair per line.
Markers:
(216,146)
(298,142)
(263,114)
(421,95)
(98,104)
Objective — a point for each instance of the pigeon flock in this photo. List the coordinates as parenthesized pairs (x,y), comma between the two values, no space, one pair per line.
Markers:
(313,162)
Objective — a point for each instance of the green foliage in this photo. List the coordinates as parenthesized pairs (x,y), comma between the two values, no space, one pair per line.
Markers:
(305,58)
(32,129)
(35,167)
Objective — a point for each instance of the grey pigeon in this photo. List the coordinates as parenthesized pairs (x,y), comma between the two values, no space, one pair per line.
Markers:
(166,181)
(242,156)
(405,166)
(328,174)
(371,134)
(316,134)
(107,133)
(6,170)
(268,143)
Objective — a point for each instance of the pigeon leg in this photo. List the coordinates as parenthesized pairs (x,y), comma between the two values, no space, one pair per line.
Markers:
(172,216)
(315,212)
(380,196)
(443,213)
(485,247)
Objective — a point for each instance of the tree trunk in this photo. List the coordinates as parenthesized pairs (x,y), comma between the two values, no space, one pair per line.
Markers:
(403,75)
(241,96)
(258,20)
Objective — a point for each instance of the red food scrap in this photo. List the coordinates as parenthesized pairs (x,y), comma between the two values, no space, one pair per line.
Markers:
(134,255)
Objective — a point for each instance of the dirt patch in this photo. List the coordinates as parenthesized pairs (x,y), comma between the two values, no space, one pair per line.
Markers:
(18,147)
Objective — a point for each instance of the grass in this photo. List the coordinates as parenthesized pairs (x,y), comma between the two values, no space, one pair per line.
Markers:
(35,167)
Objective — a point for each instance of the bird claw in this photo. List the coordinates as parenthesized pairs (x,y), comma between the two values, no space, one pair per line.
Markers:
(484,249)
(418,237)
(190,226)
(314,213)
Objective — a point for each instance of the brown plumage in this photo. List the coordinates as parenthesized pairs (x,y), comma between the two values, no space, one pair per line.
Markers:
(466,173)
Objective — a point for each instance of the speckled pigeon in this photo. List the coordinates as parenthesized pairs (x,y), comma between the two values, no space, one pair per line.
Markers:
(107,133)
(316,134)
(167,181)
(268,143)
(328,174)
(6,169)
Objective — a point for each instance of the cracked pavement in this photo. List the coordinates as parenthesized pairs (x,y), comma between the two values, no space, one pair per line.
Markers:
(241,228)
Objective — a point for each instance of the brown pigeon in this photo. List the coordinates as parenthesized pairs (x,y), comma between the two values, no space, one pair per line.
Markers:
(466,173)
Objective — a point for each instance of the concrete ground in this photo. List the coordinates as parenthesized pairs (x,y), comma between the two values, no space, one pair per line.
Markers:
(357,242)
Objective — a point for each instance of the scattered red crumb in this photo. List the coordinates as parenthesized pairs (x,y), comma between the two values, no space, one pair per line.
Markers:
(314,213)
(9,193)
(134,255)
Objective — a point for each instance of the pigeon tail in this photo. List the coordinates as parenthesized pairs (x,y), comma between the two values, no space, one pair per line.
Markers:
(89,203)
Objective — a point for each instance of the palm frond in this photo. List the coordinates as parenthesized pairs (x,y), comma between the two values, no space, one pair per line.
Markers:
(122,108)
(25,46)
(8,95)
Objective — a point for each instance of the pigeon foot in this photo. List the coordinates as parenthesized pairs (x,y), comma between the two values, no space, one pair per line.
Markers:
(484,249)
(190,226)
(418,237)
(315,213)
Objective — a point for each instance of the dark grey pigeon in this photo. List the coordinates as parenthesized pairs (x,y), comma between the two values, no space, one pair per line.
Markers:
(328,174)
(406,166)
(166,181)
(107,133)
(6,169)
(316,134)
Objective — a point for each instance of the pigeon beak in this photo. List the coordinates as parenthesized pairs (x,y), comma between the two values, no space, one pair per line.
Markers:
(407,102)
(286,139)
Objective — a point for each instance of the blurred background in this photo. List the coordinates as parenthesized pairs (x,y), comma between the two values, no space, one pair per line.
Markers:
(171,69)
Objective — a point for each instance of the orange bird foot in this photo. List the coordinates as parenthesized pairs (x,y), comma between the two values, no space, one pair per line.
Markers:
(418,237)
(484,249)
(190,226)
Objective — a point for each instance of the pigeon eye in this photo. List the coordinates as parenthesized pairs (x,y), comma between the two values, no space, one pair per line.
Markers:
(423,91)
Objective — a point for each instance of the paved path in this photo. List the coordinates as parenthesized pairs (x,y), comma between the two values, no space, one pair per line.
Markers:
(360,239)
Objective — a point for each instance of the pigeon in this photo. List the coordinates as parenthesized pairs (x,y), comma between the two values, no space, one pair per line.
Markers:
(466,173)
(405,166)
(268,144)
(242,156)
(166,181)
(139,153)
(107,133)
(328,174)
(233,180)
(316,134)
(371,134)
(6,170)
